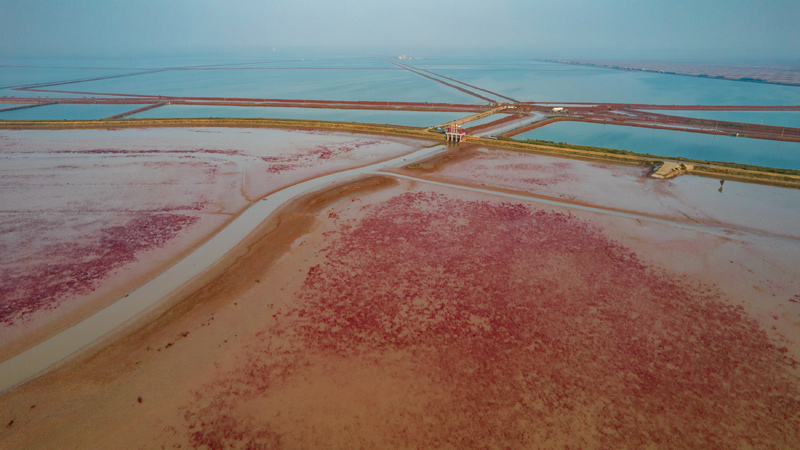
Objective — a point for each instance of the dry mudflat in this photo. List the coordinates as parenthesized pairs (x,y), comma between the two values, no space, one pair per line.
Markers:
(498,300)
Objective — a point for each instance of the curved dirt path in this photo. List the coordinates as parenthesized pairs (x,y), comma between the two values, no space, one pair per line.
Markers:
(39,358)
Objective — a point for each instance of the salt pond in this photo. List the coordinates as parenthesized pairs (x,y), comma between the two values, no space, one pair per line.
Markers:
(66,112)
(540,81)
(316,84)
(669,143)
(404,118)
(776,118)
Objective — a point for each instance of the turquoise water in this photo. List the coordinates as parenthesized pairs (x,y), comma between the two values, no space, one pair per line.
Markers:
(122,63)
(371,78)
(19,76)
(776,118)
(404,118)
(11,105)
(784,155)
(199,73)
(541,81)
(66,112)
(344,84)
(325,63)
(478,64)
(11,77)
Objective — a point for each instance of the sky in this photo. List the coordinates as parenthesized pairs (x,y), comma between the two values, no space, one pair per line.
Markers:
(654,29)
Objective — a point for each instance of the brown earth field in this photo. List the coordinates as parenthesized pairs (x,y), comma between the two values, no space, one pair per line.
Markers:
(458,309)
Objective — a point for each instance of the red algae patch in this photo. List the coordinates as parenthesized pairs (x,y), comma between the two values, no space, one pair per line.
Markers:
(80,228)
(265,159)
(87,215)
(765,209)
(309,156)
(431,321)
(510,169)
(61,270)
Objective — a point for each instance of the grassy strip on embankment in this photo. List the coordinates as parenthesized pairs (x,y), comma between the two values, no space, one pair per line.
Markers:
(733,171)
(714,169)
(351,127)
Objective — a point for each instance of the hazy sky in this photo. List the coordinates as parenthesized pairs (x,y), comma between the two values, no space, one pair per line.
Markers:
(566,28)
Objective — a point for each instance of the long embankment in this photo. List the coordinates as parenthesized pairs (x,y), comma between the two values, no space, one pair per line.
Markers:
(135,111)
(731,171)
(392,130)
(654,106)
(714,169)
(683,124)
(14,108)
(134,99)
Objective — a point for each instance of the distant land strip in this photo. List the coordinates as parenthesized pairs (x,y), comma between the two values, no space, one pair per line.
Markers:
(729,171)
(770,74)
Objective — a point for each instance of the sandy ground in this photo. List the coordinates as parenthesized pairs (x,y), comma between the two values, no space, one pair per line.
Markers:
(402,314)
(759,208)
(87,216)
(758,222)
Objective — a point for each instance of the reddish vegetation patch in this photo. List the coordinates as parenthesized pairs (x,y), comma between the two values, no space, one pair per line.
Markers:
(549,174)
(512,169)
(66,269)
(226,431)
(544,174)
(533,329)
(311,156)
(115,151)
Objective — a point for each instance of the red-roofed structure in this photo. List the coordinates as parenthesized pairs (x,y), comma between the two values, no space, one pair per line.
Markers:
(455,134)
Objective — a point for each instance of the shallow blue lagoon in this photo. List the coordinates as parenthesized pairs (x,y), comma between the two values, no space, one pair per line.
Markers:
(122,63)
(11,105)
(322,63)
(347,84)
(24,76)
(785,155)
(552,82)
(404,118)
(321,76)
(66,112)
(776,118)
(488,64)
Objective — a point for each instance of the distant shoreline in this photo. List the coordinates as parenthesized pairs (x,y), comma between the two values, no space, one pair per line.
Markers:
(678,69)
